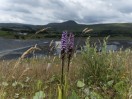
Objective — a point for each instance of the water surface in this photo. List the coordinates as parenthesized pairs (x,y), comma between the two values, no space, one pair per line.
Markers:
(13,48)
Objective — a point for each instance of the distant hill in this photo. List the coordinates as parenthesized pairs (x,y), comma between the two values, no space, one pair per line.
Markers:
(67,25)
(70,22)
(113,29)
(17,26)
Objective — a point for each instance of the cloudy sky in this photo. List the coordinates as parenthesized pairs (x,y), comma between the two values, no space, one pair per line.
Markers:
(82,11)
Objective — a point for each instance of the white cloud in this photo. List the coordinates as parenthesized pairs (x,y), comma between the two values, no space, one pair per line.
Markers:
(82,11)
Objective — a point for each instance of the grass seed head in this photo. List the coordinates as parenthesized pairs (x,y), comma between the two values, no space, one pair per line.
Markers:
(30,50)
(88,30)
(42,30)
(84,30)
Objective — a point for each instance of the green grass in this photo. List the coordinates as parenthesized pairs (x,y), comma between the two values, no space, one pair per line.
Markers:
(6,34)
(3,33)
(92,76)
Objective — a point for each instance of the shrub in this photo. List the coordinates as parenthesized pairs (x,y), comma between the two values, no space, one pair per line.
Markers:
(105,70)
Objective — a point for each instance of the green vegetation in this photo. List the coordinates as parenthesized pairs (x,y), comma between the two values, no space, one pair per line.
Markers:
(5,34)
(115,30)
(92,75)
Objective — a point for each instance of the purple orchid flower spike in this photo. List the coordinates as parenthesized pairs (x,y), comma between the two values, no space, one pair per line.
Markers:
(70,48)
(71,41)
(67,46)
(64,41)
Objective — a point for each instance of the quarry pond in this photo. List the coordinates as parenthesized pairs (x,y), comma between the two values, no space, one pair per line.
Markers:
(14,48)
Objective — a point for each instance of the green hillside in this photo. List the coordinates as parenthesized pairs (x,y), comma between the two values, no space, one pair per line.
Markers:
(99,30)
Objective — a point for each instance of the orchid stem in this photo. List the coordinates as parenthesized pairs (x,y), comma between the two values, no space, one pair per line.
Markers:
(62,71)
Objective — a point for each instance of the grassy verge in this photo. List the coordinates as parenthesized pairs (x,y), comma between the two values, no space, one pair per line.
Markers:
(92,75)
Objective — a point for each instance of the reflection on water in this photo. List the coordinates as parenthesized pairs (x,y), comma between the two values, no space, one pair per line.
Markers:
(11,49)
(112,47)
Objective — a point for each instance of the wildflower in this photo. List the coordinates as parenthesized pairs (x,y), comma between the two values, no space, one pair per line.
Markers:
(70,48)
(71,41)
(63,52)
(64,41)
(65,44)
